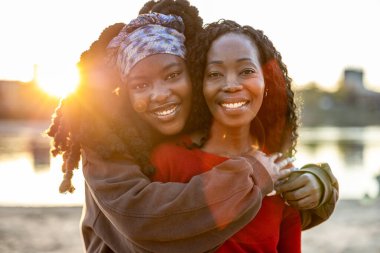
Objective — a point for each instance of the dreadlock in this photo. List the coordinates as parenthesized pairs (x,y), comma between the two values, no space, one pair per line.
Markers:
(276,122)
(70,128)
(96,116)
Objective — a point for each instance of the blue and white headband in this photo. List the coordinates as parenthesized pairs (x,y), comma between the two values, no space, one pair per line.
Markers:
(148,34)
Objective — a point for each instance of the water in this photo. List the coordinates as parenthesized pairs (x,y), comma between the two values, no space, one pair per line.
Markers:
(352,154)
(30,177)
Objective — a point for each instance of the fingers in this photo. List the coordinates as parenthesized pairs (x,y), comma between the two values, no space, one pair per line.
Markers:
(275,156)
(272,193)
(285,162)
(258,155)
(283,174)
(293,183)
(296,195)
(300,191)
(303,204)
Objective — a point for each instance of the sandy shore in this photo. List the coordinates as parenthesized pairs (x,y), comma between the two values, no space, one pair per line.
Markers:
(354,227)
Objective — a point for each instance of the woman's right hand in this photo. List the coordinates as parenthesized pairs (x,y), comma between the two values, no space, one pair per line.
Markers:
(278,167)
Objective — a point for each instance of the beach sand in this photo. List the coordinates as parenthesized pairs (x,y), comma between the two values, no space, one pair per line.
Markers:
(354,227)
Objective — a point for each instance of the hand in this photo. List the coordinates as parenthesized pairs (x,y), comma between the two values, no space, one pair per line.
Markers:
(277,167)
(302,190)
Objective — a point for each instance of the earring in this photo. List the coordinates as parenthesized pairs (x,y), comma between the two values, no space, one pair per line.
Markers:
(266,92)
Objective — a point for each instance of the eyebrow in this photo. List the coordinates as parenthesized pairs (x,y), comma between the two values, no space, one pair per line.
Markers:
(134,78)
(170,65)
(239,60)
(174,64)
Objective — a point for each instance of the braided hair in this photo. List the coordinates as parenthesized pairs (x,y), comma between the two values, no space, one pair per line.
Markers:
(276,123)
(97,117)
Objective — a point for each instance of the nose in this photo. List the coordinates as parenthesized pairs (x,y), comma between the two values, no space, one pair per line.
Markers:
(232,85)
(159,92)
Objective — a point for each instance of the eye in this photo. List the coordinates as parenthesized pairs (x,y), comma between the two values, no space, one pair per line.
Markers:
(247,72)
(173,75)
(214,75)
(139,86)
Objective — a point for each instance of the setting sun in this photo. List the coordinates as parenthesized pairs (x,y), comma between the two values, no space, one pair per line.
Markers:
(57,80)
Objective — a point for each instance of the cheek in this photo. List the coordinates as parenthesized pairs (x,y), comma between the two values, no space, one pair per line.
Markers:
(186,101)
(139,106)
(258,89)
(185,85)
(138,102)
(185,93)
(188,92)
(261,91)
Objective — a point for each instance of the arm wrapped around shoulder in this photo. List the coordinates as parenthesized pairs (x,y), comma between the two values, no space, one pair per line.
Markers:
(175,217)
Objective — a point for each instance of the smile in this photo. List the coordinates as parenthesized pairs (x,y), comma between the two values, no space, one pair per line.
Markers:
(234,105)
(166,111)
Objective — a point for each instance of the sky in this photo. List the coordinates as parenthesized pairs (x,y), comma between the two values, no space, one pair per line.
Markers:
(317,39)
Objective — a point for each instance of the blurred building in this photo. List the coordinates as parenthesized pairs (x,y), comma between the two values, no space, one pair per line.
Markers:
(353,81)
(355,92)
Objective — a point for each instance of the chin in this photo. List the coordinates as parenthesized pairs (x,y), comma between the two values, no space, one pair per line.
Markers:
(171,130)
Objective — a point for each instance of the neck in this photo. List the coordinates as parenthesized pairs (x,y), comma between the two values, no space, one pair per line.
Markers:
(226,141)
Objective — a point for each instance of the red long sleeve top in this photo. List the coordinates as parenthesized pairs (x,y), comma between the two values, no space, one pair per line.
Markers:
(275,228)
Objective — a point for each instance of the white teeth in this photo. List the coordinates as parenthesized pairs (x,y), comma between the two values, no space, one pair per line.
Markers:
(166,112)
(233,105)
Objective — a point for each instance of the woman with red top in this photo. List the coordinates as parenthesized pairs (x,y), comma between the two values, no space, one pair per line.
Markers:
(250,107)
(275,228)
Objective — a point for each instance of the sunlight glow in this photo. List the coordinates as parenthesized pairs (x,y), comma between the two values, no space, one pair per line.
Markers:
(57,80)
(315,49)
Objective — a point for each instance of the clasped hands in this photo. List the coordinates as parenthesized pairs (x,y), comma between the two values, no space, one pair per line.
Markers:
(299,189)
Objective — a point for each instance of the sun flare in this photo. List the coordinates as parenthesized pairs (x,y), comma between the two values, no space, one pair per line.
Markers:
(57,81)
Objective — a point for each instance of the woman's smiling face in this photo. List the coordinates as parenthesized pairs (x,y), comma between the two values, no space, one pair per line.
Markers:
(159,89)
(233,83)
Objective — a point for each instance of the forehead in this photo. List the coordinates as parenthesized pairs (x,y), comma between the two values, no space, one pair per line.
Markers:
(233,45)
(155,64)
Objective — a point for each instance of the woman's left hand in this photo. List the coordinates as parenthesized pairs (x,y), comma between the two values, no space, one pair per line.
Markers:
(302,190)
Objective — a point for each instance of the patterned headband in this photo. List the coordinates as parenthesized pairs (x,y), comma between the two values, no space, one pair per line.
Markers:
(148,34)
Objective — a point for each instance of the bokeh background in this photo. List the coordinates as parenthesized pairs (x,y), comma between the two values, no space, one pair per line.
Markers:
(332,52)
